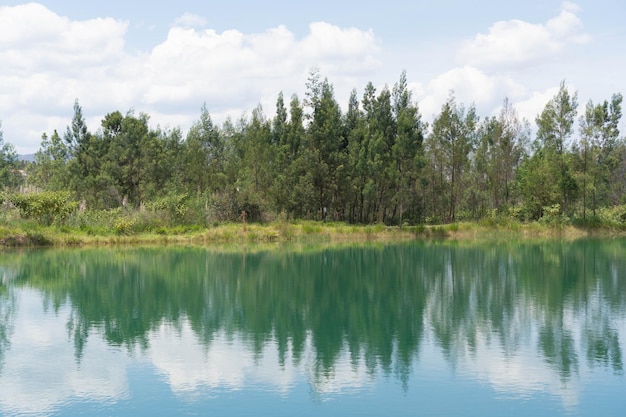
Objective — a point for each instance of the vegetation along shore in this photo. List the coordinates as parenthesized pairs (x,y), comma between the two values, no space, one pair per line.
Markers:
(373,171)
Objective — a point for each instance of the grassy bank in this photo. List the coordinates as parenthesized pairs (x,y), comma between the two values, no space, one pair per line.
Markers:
(26,234)
(29,234)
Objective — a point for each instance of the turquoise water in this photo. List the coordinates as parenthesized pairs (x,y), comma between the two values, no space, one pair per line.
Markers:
(416,329)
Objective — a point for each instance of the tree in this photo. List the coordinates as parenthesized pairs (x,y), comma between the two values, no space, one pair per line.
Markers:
(555,126)
(255,175)
(326,144)
(382,129)
(299,181)
(77,135)
(279,123)
(50,170)
(599,139)
(373,155)
(160,165)
(77,139)
(499,152)
(359,168)
(204,155)
(9,177)
(375,163)
(287,136)
(407,151)
(452,139)
(89,164)
(510,144)
(124,158)
(535,180)
(365,155)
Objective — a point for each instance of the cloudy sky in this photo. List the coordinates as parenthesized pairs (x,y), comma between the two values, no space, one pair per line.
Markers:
(168,58)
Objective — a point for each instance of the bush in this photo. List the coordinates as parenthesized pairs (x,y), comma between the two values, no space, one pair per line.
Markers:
(613,216)
(124,225)
(175,206)
(45,207)
(96,221)
(517,213)
(222,207)
(553,217)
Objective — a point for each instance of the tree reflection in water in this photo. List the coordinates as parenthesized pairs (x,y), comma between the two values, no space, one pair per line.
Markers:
(7,312)
(375,302)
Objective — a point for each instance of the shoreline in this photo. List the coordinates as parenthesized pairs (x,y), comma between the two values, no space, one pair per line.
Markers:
(297,232)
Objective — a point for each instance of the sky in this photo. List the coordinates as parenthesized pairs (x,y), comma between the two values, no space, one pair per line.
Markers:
(167,59)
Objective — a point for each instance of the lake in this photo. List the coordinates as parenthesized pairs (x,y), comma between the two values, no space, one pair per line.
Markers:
(426,328)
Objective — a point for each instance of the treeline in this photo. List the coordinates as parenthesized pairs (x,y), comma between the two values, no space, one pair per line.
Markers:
(377,162)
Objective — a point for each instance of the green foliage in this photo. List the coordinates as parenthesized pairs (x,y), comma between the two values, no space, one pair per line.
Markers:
(553,216)
(51,170)
(46,207)
(222,207)
(309,228)
(613,216)
(555,126)
(517,212)
(10,177)
(450,143)
(377,163)
(95,221)
(124,225)
(174,205)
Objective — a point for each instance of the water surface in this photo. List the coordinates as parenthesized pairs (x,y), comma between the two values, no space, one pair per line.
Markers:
(424,328)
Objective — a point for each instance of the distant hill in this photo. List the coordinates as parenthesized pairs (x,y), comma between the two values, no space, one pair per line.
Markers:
(27,158)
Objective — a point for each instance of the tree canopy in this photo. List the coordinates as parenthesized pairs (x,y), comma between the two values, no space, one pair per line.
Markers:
(377,161)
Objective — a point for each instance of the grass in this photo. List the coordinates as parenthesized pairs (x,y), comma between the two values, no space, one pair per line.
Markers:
(18,232)
(25,234)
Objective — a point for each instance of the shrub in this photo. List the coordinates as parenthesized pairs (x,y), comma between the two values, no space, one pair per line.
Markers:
(97,221)
(174,205)
(45,207)
(613,216)
(309,228)
(518,213)
(124,225)
(553,217)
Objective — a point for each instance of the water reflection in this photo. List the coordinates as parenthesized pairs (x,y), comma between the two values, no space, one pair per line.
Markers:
(7,313)
(41,373)
(526,318)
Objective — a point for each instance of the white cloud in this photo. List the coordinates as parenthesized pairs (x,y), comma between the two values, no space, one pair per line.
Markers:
(50,60)
(470,86)
(516,43)
(190,20)
(37,40)
(491,63)
(530,107)
(329,46)
(233,67)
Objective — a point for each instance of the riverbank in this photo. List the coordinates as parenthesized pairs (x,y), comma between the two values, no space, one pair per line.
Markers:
(32,235)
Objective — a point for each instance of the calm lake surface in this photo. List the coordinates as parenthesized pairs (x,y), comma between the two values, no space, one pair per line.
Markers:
(416,329)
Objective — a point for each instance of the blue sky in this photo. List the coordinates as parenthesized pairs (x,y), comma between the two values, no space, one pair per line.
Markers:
(168,58)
